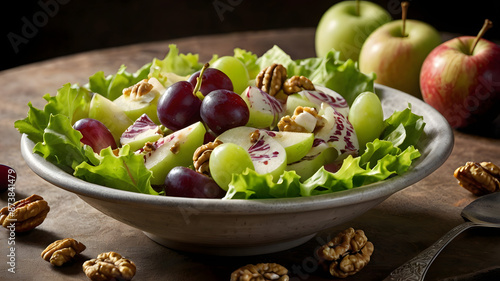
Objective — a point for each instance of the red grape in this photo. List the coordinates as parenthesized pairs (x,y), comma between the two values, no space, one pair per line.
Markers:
(185,182)
(8,177)
(179,107)
(222,110)
(212,79)
(95,134)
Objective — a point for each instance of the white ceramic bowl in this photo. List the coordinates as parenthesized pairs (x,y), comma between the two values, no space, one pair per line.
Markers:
(249,227)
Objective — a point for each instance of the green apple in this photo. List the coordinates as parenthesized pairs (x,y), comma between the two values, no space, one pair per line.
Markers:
(346,25)
(397,58)
(227,159)
(143,130)
(296,144)
(265,110)
(110,114)
(135,106)
(268,155)
(235,70)
(173,150)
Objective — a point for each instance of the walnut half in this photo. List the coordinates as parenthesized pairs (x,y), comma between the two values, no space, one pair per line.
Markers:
(271,79)
(109,266)
(260,272)
(201,157)
(25,214)
(62,251)
(479,178)
(346,254)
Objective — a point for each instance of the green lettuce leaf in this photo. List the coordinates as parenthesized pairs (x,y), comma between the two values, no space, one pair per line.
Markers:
(71,101)
(111,86)
(403,128)
(250,185)
(179,64)
(61,144)
(125,171)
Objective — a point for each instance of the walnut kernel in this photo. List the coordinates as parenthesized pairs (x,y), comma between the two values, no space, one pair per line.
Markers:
(201,157)
(479,178)
(304,119)
(260,272)
(25,214)
(138,90)
(271,79)
(296,84)
(346,254)
(62,251)
(109,266)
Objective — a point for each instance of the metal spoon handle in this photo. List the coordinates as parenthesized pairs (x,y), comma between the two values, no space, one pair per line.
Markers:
(416,268)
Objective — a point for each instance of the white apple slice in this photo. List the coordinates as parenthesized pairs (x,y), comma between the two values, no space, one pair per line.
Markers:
(268,156)
(296,144)
(265,110)
(111,115)
(338,132)
(143,130)
(135,106)
(173,150)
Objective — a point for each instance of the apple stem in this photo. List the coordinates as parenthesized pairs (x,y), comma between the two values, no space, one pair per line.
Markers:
(404,7)
(487,25)
(357,8)
(199,79)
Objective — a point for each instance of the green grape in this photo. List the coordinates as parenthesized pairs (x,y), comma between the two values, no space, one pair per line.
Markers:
(235,70)
(226,159)
(367,118)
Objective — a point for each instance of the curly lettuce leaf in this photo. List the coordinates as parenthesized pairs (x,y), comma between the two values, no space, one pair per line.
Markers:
(403,128)
(61,144)
(174,62)
(111,86)
(71,101)
(125,171)
(250,185)
(343,77)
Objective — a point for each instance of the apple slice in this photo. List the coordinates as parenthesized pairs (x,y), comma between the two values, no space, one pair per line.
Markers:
(173,150)
(268,155)
(315,98)
(296,144)
(319,155)
(143,130)
(134,106)
(265,110)
(338,132)
(110,114)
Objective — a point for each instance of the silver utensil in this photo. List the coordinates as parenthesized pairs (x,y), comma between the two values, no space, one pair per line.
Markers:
(482,212)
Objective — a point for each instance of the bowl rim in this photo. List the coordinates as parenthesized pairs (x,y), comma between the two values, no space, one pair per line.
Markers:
(438,150)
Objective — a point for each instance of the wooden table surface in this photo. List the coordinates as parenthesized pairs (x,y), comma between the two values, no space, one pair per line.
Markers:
(400,227)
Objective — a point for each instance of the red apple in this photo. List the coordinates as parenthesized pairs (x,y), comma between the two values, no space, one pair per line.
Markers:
(462,80)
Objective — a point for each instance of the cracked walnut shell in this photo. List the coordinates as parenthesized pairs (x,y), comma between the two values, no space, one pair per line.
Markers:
(479,178)
(271,79)
(346,254)
(25,214)
(260,272)
(109,266)
(62,251)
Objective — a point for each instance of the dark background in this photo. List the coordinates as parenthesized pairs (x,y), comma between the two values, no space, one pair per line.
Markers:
(41,29)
